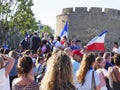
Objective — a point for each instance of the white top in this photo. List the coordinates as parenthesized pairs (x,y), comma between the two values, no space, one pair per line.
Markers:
(102,73)
(116,50)
(4,82)
(88,81)
(75,67)
(57,45)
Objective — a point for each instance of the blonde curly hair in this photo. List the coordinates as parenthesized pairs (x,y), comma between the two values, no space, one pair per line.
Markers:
(59,73)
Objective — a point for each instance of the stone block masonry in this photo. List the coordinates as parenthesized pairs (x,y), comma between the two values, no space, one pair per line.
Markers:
(84,23)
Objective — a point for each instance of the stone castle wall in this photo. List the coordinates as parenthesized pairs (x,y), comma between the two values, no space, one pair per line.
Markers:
(85,24)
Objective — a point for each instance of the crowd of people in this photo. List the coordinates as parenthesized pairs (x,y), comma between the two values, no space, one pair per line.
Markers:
(58,64)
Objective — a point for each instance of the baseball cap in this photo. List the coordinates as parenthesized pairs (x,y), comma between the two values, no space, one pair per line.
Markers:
(77,52)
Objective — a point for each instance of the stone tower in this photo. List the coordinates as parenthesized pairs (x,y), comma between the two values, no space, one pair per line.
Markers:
(85,24)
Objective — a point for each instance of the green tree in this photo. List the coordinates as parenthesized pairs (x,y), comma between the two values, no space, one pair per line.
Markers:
(16,18)
(48,30)
(4,16)
(24,17)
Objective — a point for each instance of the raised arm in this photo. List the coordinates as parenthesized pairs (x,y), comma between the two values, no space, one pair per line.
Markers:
(9,65)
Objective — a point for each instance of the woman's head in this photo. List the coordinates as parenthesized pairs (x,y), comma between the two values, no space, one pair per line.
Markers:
(99,63)
(117,59)
(13,54)
(115,44)
(6,51)
(24,66)
(39,60)
(59,70)
(87,62)
(2,50)
(107,56)
(39,52)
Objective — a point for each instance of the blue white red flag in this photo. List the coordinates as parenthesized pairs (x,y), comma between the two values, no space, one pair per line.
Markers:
(97,43)
(64,32)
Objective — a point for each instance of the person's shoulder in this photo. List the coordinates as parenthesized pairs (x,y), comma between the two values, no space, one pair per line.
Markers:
(22,40)
(95,72)
(110,69)
(99,70)
(15,81)
(34,85)
(75,62)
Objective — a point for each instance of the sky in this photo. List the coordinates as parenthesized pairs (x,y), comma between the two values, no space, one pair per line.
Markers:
(47,10)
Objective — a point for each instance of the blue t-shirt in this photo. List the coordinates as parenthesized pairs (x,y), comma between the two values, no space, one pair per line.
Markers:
(13,72)
(75,66)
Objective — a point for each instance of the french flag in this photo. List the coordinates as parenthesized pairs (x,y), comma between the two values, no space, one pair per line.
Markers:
(97,43)
(64,32)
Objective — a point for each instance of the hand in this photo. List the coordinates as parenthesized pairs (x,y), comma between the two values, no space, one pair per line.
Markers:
(3,56)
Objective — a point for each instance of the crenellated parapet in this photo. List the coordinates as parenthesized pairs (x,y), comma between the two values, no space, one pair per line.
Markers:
(80,9)
(92,10)
(67,10)
(85,23)
(111,11)
(95,10)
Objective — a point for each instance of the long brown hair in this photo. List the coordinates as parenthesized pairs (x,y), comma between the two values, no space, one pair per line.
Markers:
(24,65)
(59,73)
(86,63)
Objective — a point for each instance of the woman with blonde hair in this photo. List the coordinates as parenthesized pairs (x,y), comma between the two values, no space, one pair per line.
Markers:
(86,76)
(58,74)
(13,72)
(6,64)
(102,72)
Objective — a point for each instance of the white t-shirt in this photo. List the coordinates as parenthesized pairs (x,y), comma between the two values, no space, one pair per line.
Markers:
(4,82)
(102,73)
(116,50)
(58,45)
(75,67)
(88,81)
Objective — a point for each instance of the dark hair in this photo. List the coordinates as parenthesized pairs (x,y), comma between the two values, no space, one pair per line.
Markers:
(1,50)
(48,49)
(65,37)
(44,42)
(35,33)
(24,65)
(48,55)
(58,38)
(78,40)
(6,51)
(39,52)
(117,59)
(51,37)
(116,43)
(33,51)
(38,60)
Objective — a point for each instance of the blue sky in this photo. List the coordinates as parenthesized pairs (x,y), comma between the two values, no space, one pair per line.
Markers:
(47,10)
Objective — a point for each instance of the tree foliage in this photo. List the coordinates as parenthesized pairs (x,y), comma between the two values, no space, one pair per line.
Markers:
(48,30)
(16,17)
